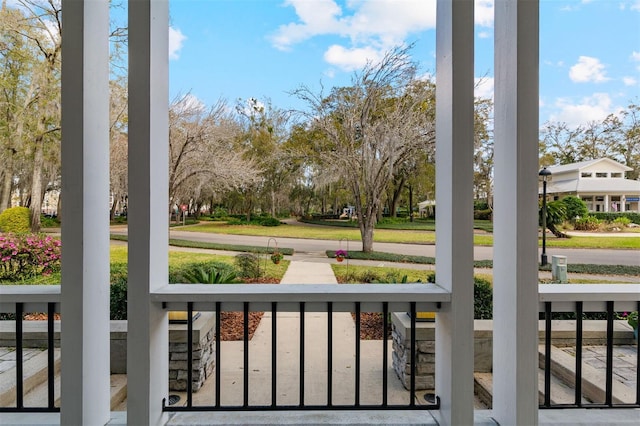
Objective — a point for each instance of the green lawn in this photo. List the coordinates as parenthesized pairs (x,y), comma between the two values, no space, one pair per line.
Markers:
(176,258)
(396,236)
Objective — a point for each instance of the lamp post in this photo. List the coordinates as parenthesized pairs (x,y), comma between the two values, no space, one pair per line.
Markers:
(546,175)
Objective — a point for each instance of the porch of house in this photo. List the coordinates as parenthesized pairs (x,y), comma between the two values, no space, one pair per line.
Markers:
(82,297)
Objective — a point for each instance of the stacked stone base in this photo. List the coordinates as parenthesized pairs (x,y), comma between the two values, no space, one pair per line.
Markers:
(425,351)
(203,352)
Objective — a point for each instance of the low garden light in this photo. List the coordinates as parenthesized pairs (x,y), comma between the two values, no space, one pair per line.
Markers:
(545,174)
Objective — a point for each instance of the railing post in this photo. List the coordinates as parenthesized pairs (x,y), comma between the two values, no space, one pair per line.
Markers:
(515,265)
(454,198)
(147,342)
(85,228)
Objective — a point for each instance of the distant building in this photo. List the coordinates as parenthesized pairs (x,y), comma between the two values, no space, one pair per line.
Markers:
(600,183)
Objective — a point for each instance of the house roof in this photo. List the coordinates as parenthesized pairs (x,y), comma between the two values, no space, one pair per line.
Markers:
(594,185)
(584,164)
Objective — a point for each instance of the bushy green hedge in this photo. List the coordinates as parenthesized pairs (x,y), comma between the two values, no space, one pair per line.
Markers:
(15,219)
(634,217)
(486,214)
(482,297)
(575,207)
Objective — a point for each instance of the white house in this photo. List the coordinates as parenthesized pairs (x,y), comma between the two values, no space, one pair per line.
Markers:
(600,183)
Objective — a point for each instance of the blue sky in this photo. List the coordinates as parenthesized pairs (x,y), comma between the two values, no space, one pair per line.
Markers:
(589,49)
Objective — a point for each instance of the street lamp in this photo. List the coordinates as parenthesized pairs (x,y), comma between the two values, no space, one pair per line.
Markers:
(546,175)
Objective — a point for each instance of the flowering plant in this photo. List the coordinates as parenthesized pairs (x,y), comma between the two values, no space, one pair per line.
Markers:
(24,256)
(276,257)
(341,253)
(632,319)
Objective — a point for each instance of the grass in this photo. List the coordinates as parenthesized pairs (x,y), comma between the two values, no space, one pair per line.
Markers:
(215,246)
(574,268)
(397,236)
(118,254)
(398,224)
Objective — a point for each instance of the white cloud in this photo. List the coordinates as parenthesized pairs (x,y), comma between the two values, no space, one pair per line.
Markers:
(629,81)
(484,13)
(635,56)
(351,59)
(483,87)
(176,40)
(484,34)
(636,5)
(370,27)
(587,70)
(592,108)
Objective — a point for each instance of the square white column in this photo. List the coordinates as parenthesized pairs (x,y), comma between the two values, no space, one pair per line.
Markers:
(454,200)
(147,341)
(515,244)
(85,336)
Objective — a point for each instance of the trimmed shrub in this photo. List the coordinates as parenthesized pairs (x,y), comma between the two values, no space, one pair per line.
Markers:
(634,217)
(270,221)
(482,297)
(248,264)
(118,291)
(483,214)
(587,223)
(575,207)
(15,219)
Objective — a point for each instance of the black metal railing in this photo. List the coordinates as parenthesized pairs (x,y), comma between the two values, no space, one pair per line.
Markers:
(581,398)
(19,385)
(330,401)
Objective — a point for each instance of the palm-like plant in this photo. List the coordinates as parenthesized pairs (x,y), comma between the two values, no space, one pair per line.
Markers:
(556,215)
(211,275)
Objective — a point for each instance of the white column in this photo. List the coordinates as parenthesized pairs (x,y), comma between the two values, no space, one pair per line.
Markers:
(606,202)
(147,342)
(85,228)
(454,201)
(515,264)
(623,203)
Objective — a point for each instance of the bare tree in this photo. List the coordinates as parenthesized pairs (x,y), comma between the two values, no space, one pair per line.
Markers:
(371,128)
(203,152)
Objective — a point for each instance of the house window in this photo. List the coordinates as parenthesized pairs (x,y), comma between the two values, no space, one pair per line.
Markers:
(601,174)
(586,174)
(616,175)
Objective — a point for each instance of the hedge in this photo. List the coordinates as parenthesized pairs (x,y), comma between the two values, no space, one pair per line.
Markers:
(15,219)
(634,217)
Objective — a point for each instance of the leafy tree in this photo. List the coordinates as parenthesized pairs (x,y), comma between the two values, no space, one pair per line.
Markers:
(574,207)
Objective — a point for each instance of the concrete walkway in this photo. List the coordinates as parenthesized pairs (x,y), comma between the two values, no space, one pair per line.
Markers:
(315,365)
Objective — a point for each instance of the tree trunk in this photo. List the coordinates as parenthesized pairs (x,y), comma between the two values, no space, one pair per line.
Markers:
(59,207)
(273,203)
(36,185)
(366,232)
(114,206)
(410,203)
(7,182)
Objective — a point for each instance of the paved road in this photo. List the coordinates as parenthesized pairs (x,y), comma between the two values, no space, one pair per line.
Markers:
(307,246)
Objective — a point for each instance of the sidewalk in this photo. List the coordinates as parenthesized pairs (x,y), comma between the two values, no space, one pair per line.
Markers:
(315,367)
